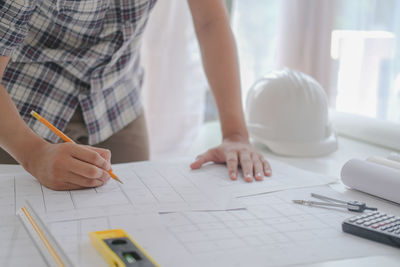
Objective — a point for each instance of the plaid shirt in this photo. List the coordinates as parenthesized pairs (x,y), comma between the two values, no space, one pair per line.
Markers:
(70,52)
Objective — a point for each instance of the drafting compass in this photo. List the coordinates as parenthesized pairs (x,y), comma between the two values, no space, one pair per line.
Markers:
(356,206)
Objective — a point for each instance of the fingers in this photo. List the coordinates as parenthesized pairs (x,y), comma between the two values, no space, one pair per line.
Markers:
(105,153)
(247,165)
(252,163)
(87,170)
(254,166)
(68,186)
(200,160)
(74,181)
(83,182)
(90,156)
(266,166)
(232,164)
(258,168)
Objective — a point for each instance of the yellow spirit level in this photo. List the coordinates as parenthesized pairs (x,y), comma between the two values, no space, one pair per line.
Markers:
(119,249)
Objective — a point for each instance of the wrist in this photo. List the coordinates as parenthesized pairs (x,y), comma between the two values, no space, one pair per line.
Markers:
(242,136)
(29,151)
(233,127)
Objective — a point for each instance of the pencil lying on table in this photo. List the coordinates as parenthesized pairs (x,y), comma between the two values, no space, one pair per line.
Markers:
(63,136)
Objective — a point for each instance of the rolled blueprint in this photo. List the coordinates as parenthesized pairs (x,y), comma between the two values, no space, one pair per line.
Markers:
(380,132)
(385,162)
(372,178)
(394,156)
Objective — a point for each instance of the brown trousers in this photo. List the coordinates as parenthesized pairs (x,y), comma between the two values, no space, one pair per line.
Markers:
(129,144)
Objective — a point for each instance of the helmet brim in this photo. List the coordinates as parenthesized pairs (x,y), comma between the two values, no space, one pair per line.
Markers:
(306,149)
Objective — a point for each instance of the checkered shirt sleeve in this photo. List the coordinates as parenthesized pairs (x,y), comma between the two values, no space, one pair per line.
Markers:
(14,17)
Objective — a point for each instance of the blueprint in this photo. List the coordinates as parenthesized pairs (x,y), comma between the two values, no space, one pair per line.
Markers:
(271,228)
(263,234)
(153,197)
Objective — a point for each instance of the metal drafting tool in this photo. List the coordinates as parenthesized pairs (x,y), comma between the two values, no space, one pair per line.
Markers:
(120,250)
(356,206)
(43,239)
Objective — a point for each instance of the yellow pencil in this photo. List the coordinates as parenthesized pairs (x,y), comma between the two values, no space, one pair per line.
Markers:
(63,136)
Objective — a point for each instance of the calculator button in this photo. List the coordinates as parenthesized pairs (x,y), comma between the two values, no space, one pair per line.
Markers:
(360,221)
(368,223)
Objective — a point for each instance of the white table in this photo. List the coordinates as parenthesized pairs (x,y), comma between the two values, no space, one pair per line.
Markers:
(210,136)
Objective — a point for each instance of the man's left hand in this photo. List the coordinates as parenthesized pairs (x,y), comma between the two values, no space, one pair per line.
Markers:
(237,152)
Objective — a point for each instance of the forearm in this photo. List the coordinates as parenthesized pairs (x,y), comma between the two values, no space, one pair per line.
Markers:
(220,62)
(15,136)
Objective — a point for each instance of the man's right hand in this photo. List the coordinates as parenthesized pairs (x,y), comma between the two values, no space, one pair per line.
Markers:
(57,166)
(68,166)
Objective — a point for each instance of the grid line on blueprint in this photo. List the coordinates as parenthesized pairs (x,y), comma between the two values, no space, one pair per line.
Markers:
(180,170)
(273,223)
(176,191)
(72,200)
(283,177)
(211,237)
(72,234)
(167,181)
(145,185)
(15,197)
(125,194)
(44,202)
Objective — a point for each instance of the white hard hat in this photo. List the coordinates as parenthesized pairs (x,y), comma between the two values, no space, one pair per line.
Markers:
(288,111)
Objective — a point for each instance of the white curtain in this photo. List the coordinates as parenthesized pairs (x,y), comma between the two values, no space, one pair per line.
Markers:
(174,84)
(305,38)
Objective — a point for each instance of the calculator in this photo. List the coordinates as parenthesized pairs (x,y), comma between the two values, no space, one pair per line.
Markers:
(377,226)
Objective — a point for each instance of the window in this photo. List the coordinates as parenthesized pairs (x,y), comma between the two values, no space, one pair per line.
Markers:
(254,24)
(365,58)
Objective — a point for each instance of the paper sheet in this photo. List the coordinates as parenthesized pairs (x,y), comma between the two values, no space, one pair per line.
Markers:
(146,229)
(16,247)
(264,234)
(147,186)
(283,177)
(270,230)
(158,186)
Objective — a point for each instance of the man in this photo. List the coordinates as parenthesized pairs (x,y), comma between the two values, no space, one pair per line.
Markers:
(77,64)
